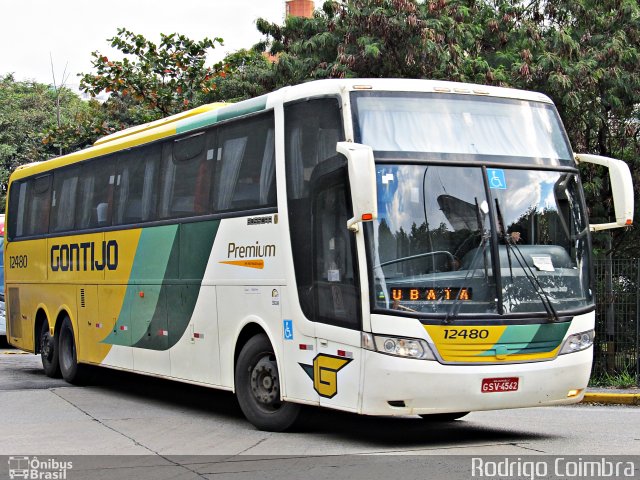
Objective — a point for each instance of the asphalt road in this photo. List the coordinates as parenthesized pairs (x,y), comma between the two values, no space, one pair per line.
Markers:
(125,414)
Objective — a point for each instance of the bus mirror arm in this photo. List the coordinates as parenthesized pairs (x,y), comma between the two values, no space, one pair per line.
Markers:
(621,188)
(362,182)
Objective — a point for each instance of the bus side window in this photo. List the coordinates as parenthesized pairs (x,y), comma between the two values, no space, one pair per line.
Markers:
(96,194)
(335,282)
(245,169)
(63,202)
(312,129)
(184,166)
(18,209)
(30,204)
(136,186)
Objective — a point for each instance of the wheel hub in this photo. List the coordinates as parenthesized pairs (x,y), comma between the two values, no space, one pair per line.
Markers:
(264,383)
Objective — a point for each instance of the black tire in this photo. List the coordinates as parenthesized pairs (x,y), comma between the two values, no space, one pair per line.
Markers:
(444,417)
(258,387)
(49,352)
(71,371)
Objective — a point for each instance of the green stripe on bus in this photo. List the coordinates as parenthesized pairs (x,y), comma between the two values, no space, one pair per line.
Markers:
(149,267)
(525,339)
(232,111)
(164,285)
(177,299)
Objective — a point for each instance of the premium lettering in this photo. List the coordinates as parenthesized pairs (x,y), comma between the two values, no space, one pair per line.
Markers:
(251,251)
(83,257)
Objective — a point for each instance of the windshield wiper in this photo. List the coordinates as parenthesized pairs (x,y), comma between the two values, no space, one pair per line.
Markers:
(526,269)
(473,267)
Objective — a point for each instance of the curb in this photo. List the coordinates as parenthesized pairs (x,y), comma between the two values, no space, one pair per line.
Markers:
(612,398)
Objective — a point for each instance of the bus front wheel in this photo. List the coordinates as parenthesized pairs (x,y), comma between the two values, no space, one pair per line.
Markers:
(49,352)
(71,371)
(257,382)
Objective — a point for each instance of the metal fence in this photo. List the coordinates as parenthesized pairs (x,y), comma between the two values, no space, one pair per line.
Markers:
(617,344)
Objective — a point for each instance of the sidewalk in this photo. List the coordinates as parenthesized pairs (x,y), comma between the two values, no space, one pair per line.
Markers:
(627,396)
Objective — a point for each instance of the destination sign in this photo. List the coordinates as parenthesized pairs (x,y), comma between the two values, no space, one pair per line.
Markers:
(431,294)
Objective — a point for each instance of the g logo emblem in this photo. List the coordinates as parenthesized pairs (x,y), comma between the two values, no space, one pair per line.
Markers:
(324,373)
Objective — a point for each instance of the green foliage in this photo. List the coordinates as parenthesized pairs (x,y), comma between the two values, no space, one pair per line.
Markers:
(166,78)
(28,127)
(240,76)
(623,379)
(584,54)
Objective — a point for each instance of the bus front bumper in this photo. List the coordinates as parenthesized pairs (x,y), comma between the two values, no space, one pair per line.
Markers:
(400,386)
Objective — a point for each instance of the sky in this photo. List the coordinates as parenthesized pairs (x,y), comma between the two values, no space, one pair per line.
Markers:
(34,31)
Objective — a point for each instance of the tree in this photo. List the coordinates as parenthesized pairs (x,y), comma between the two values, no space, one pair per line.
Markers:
(26,110)
(584,54)
(165,79)
(242,74)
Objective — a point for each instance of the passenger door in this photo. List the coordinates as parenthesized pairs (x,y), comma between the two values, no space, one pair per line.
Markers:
(336,290)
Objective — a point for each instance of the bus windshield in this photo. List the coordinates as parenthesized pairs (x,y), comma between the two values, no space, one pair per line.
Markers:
(471,219)
(462,126)
(445,244)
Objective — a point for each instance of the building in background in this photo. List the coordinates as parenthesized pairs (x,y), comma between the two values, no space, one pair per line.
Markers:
(294,8)
(299,8)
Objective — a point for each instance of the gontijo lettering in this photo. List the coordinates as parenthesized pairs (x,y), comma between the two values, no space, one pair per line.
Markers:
(85,256)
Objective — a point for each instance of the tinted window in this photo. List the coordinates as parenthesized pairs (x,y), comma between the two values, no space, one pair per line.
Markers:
(245,168)
(95,194)
(186,177)
(29,206)
(312,129)
(63,203)
(136,196)
(335,283)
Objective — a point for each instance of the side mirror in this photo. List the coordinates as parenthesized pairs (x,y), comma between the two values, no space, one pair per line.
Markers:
(621,187)
(362,182)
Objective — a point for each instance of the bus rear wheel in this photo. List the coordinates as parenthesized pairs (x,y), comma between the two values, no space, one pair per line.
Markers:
(71,371)
(257,382)
(444,417)
(49,352)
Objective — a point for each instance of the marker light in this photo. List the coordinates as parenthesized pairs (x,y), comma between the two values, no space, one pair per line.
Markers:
(398,346)
(578,342)
(366,217)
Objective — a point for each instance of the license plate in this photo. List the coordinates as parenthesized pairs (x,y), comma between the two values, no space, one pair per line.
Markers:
(491,385)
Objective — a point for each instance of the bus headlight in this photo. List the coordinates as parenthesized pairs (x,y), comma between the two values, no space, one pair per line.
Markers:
(398,346)
(578,341)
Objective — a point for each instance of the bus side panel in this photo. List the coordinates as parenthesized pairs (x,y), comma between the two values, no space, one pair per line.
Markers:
(90,330)
(26,261)
(299,349)
(114,339)
(150,332)
(60,299)
(78,259)
(196,356)
(26,264)
(238,306)
(20,322)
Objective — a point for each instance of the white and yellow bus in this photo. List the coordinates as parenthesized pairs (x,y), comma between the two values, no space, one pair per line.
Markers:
(384,247)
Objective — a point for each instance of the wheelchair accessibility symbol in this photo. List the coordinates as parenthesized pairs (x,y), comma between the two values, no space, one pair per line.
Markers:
(287,328)
(496,178)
